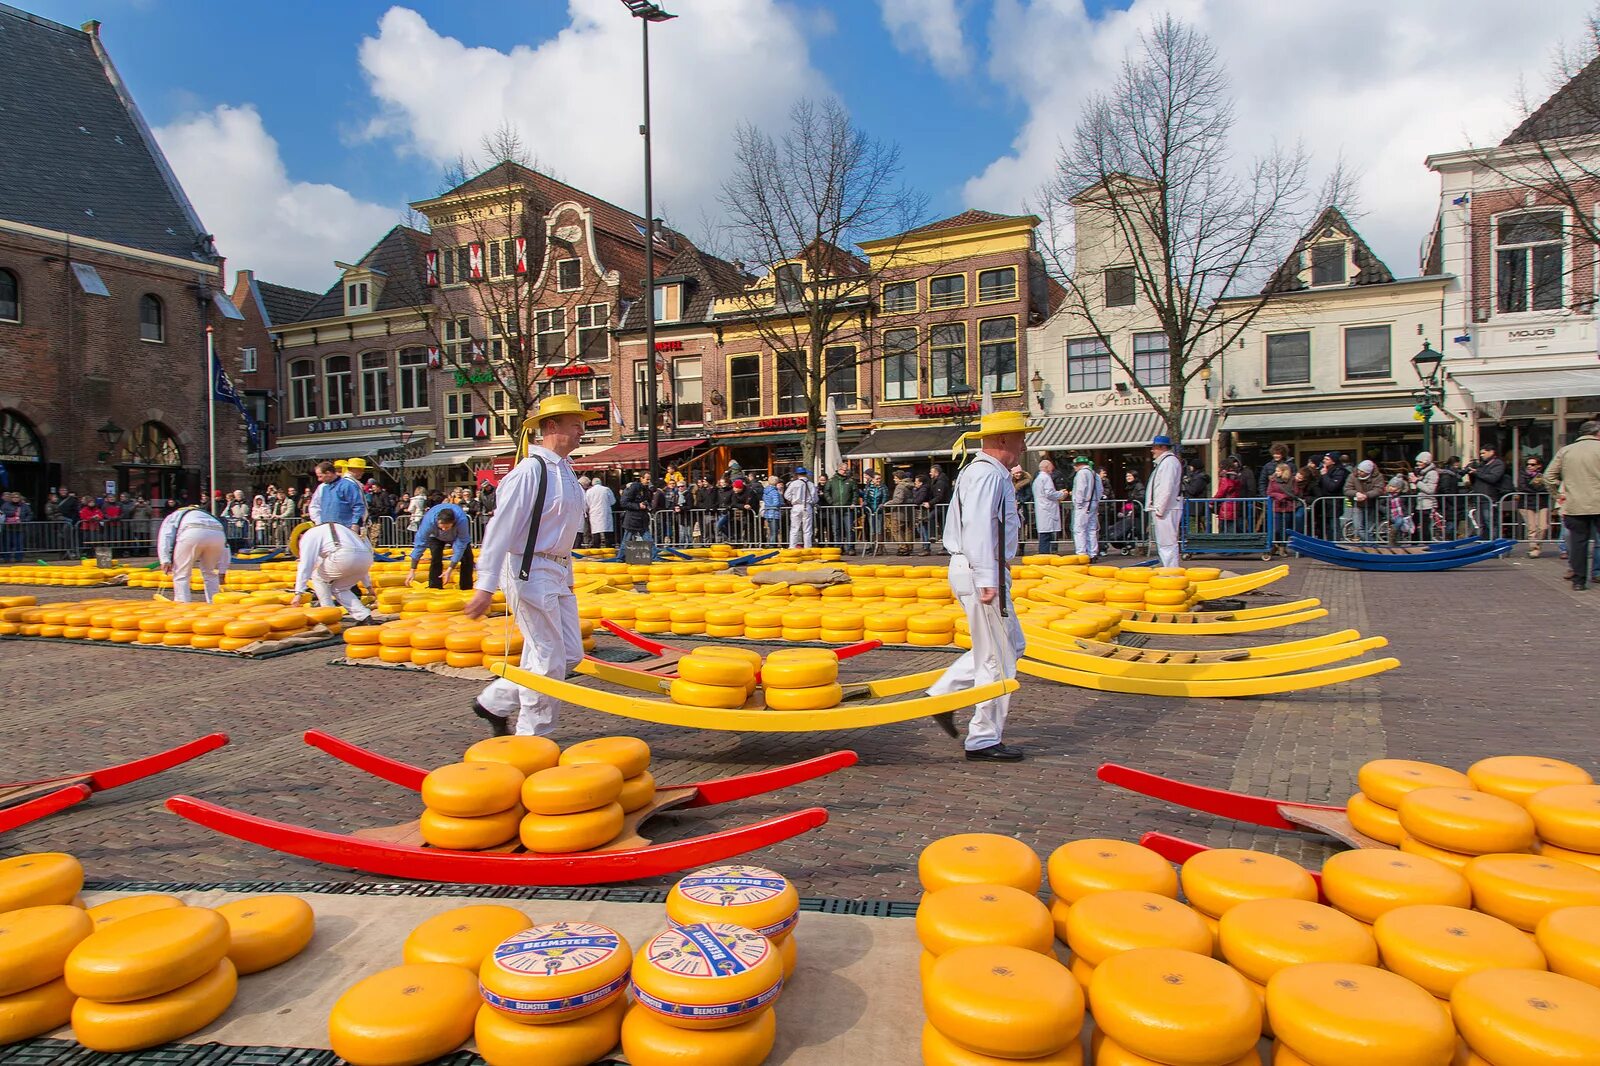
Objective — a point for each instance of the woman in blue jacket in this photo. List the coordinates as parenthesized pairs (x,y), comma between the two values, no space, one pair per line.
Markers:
(772,510)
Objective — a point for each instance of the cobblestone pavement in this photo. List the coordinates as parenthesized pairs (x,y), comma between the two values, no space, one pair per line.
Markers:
(1498,658)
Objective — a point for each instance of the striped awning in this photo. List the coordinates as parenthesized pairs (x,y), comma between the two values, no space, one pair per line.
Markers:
(1119,429)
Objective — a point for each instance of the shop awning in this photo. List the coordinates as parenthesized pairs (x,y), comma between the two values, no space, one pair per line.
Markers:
(1529,384)
(1241,420)
(451,458)
(1121,429)
(634,452)
(366,447)
(906,442)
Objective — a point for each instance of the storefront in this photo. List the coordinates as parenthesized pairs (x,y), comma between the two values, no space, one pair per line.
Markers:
(294,462)
(909,447)
(22,461)
(618,463)
(764,446)
(1531,412)
(1389,434)
(1119,441)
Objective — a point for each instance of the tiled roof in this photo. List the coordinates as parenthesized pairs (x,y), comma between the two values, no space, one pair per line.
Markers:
(965,218)
(713,277)
(1370,270)
(1572,111)
(399,256)
(547,192)
(77,156)
(283,304)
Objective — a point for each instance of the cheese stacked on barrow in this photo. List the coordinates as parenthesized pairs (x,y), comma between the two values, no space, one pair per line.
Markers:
(580,804)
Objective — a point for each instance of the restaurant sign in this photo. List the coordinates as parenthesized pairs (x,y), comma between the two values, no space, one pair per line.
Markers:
(335,425)
(789,422)
(944,410)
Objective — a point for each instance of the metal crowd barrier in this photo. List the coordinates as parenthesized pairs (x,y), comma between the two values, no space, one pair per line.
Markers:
(1450,516)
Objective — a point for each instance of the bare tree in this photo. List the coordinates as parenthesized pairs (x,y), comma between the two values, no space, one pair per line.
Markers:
(798,204)
(1152,159)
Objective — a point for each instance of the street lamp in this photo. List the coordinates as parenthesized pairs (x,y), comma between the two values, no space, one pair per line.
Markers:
(961,397)
(1037,381)
(109,432)
(403,436)
(1428,364)
(647,12)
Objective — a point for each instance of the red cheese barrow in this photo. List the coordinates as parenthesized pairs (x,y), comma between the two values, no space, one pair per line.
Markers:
(28,801)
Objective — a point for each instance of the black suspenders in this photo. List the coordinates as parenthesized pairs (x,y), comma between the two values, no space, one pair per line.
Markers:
(533,523)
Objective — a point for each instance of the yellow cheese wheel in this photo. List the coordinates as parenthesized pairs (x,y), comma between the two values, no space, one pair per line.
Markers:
(147,954)
(562,834)
(1570,940)
(747,655)
(1568,816)
(637,792)
(426,640)
(1103,924)
(469,834)
(35,1011)
(761,633)
(1386,781)
(693,694)
(117,909)
(789,954)
(472,789)
(324,616)
(1454,860)
(1221,878)
(555,972)
(983,915)
(736,894)
(1528,1018)
(404,1016)
(1342,1013)
(1366,883)
(387,653)
(1263,936)
(504,1042)
(1177,1007)
(158,1019)
(528,754)
(820,697)
(799,673)
(214,627)
(359,651)
(246,629)
(266,931)
(1519,777)
(1005,1001)
(570,789)
(940,1050)
(1468,822)
(708,975)
(1375,820)
(649,1040)
(463,936)
(465,642)
(35,943)
(978,858)
(1522,889)
(1095,864)
(1585,859)
(715,670)
(1059,910)
(630,755)
(38,879)
(1110,1053)
(428,656)
(1437,946)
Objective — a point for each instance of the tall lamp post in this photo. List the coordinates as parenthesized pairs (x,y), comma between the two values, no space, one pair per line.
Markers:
(1428,364)
(647,12)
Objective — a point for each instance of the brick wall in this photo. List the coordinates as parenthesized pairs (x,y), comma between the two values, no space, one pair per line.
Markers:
(1580,279)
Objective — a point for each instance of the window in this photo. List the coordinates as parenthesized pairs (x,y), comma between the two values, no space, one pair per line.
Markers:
(374,382)
(413,366)
(791,383)
(1328,261)
(502,258)
(644,380)
(1366,352)
(457,337)
(997,354)
(569,274)
(500,405)
(899,296)
(790,288)
(302,389)
(1088,365)
(10,298)
(841,362)
(1529,261)
(588,389)
(336,371)
(458,422)
(947,358)
(593,345)
(948,291)
(247,360)
(447,266)
(355,296)
(899,364)
(152,324)
(997,284)
(551,329)
(744,386)
(1119,284)
(502,337)
(463,258)
(669,303)
(1289,358)
(1152,363)
(687,406)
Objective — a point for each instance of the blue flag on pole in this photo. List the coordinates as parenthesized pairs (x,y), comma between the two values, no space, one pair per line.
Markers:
(222,389)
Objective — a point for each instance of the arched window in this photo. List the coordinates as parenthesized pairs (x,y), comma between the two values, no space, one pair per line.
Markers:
(19,443)
(152,319)
(337,372)
(302,389)
(10,298)
(154,445)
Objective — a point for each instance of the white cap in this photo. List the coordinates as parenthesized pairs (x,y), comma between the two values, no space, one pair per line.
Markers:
(1366,466)
(1424,457)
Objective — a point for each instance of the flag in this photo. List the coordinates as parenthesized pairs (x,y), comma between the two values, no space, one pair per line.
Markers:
(222,389)
(616,415)
(833,457)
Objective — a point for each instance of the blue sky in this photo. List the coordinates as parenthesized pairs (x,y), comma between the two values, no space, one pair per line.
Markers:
(301,129)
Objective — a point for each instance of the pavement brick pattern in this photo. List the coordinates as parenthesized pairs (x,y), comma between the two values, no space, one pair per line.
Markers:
(1498,658)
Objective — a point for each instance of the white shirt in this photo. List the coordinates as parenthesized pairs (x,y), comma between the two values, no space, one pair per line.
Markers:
(599,499)
(1161,498)
(1046,503)
(321,541)
(1086,490)
(800,493)
(980,501)
(314,508)
(507,534)
(184,518)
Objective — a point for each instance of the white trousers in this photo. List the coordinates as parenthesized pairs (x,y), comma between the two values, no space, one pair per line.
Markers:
(1165,529)
(337,573)
(203,548)
(547,615)
(1086,531)
(997,643)
(800,523)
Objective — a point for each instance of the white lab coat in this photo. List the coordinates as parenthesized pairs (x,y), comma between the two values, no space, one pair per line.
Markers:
(600,501)
(1046,504)
(802,497)
(981,501)
(333,560)
(1086,494)
(190,539)
(544,606)
(1163,504)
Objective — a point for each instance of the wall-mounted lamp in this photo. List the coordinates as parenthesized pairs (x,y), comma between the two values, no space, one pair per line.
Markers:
(1205,380)
(1037,381)
(1121,387)
(716,400)
(111,433)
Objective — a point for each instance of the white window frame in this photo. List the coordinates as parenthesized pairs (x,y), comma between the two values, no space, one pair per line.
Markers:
(302,391)
(1567,263)
(455,336)
(1266,359)
(1103,353)
(345,396)
(593,318)
(412,362)
(1344,353)
(16,285)
(550,322)
(895,355)
(357,295)
(563,262)
(680,388)
(368,373)
(247,361)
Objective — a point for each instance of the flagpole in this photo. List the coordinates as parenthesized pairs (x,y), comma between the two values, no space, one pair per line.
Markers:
(211,413)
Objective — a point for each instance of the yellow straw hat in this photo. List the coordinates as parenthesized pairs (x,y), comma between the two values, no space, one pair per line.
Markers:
(356,463)
(993,425)
(561,404)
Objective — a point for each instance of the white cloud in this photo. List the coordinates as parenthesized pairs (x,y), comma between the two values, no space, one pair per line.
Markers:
(575,98)
(288,232)
(931,28)
(1385,84)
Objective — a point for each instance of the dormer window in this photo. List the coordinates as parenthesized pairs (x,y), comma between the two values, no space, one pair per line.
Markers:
(356,297)
(790,289)
(569,275)
(1330,263)
(669,302)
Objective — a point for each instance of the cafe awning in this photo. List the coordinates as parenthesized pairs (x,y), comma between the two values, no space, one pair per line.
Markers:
(906,442)
(453,458)
(1529,384)
(635,452)
(1279,417)
(316,451)
(1120,429)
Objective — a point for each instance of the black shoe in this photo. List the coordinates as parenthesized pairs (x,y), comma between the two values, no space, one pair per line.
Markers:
(499,724)
(995,753)
(1580,586)
(947,722)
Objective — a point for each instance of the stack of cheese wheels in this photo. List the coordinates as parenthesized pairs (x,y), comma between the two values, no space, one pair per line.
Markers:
(1260,937)
(1096,864)
(1375,809)
(266,931)
(1514,1017)
(405,1015)
(573,807)
(1519,778)
(1103,924)
(1436,946)
(553,994)
(754,897)
(631,757)
(1570,940)
(1454,824)
(39,879)
(1522,889)
(1367,883)
(977,915)
(150,978)
(801,679)
(1172,1006)
(1000,1003)
(978,859)
(1216,881)
(713,677)
(703,993)
(1567,818)
(463,936)
(471,806)
(34,945)
(1333,1012)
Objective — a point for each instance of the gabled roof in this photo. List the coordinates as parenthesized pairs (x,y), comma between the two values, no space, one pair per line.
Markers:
(1370,270)
(78,157)
(282,305)
(711,278)
(1572,110)
(965,218)
(398,255)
